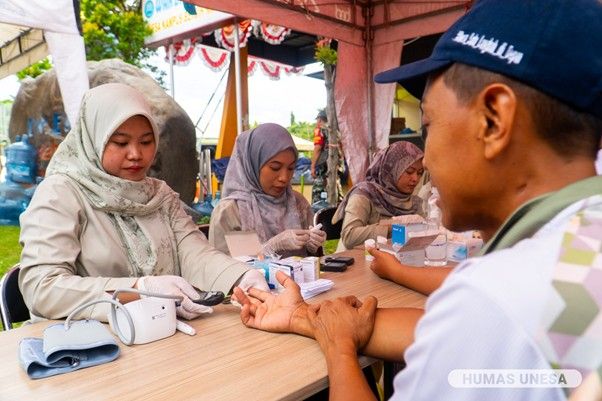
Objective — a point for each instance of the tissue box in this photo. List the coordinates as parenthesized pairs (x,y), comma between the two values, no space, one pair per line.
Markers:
(311,268)
(291,268)
(398,234)
(309,264)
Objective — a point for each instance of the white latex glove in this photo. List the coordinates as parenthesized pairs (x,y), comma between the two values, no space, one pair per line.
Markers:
(316,239)
(175,285)
(289,240)
(253,278)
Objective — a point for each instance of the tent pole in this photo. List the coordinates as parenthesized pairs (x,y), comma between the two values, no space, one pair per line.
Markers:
(238,82)
(171,79)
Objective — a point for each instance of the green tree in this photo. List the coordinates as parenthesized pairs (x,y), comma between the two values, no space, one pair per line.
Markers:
(302,129)
(35,69)
(111,29)
(114,29)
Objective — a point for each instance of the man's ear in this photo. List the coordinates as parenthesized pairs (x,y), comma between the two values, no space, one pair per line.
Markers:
(497,104)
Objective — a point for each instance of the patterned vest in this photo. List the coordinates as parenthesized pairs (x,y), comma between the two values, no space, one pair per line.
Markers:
(570,333)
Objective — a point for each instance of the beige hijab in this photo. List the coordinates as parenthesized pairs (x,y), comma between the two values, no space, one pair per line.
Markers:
(104,108)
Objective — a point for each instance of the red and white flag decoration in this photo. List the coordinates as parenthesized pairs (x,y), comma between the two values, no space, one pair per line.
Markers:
(181,51)
(225,36)
(273,34)
(217,59)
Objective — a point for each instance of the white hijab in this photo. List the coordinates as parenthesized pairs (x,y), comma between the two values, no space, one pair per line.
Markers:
(104,108)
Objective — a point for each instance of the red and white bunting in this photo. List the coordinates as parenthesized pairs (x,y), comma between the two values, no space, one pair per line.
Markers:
(225,36)
(215,59)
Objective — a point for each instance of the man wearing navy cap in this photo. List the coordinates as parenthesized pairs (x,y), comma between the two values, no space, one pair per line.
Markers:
(513,107)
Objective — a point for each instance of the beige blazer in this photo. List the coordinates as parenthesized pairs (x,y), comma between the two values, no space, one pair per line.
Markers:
(361,222)
(73,254)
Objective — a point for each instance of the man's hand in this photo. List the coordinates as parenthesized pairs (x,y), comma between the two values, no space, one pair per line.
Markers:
(344,325)
(282,313)
(384,263)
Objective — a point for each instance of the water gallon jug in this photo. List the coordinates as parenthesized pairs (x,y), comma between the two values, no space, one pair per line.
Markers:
(321,204)
(21,162)
(13,201)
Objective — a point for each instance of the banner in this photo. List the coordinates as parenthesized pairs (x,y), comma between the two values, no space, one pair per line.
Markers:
(173,18)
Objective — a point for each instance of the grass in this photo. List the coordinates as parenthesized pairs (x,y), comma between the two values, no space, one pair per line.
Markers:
(330,246)
(10,250)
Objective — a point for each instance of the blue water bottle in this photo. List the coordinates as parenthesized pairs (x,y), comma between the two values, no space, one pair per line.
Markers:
(21,162)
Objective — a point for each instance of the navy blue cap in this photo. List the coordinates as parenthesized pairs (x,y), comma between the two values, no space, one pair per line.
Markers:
(554,46)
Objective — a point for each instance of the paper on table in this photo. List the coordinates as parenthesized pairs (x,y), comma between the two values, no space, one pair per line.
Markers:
(316,287)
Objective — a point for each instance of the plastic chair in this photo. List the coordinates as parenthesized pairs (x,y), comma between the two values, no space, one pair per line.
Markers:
(12,306)
(324,216)
(204,228)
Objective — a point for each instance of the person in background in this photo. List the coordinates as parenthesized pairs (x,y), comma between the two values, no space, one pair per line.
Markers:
(257,196)
(319,158)
(97,223)
(513,97)
(387,192)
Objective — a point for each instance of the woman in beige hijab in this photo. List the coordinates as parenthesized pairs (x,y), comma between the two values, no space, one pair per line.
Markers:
(98,223)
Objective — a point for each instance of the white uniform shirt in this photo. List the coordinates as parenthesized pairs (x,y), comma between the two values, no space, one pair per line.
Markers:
(486,316)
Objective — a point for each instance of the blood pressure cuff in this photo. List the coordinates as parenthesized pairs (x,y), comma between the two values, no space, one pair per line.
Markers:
(85,343)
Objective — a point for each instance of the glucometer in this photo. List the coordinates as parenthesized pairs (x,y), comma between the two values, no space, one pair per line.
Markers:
(348,260)
(209,298)
(331,266)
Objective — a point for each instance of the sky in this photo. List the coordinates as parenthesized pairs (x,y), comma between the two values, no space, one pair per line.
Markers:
(269,100)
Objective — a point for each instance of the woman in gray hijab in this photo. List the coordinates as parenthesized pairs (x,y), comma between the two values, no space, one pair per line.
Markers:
(97,223)
(257,195)
(387,192)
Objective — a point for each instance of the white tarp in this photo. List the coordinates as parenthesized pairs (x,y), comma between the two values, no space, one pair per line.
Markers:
(57,19)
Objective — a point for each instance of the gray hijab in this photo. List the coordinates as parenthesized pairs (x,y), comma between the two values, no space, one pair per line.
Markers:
(381,182)
(79,157)
(259,211)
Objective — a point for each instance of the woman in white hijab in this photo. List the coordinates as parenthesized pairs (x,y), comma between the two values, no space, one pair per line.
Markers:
(97,223)
(258,195)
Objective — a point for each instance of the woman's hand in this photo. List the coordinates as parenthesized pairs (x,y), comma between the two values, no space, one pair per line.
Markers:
(316,240)
(384,263)
(175,285)
(253,279)
(289,240)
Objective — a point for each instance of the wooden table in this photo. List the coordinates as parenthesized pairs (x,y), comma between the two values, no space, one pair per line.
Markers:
(224,361)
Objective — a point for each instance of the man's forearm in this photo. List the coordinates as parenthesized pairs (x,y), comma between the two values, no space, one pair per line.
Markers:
(425,280)
(393,330)
(345,377)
